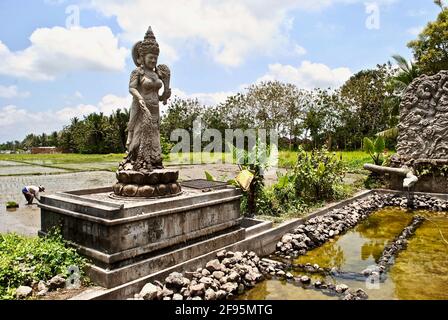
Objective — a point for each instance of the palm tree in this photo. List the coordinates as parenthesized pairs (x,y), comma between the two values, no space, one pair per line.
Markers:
(408,71)
(440,4)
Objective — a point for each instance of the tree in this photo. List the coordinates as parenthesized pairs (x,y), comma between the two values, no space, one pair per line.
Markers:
(367,91)
(431,48)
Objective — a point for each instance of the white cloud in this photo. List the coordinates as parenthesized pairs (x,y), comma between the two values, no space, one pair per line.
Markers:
(55,51)
(299,50)
(308,75)
(230,31)
(16,122)
(12,92)
(415,31)
(208,99)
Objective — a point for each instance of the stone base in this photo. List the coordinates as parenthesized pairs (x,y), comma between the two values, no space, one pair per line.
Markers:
(118,235)
(147,184)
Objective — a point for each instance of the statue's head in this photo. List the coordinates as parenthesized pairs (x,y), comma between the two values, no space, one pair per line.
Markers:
(147,50)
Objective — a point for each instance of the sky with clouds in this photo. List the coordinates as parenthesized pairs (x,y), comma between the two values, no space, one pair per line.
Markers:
(60,58)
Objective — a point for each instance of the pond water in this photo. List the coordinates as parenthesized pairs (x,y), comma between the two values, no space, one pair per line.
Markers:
(419,272)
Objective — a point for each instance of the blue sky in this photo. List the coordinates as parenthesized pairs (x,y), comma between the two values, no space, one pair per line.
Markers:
(53,68)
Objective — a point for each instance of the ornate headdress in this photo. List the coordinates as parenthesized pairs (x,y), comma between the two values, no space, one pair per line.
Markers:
(148,45)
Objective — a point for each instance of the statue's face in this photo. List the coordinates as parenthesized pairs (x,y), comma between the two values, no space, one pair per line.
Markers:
(150,60)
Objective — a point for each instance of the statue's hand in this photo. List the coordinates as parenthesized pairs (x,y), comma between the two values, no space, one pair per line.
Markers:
(142,103)
(168,93)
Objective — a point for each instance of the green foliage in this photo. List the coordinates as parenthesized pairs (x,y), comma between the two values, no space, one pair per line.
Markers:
(23,260)
(166,145)
(11,204)
(375,149)
(318,175)
(431,47)
(367,93)
(209,176)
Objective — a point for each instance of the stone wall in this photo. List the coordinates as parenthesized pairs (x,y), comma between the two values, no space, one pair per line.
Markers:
(423,128)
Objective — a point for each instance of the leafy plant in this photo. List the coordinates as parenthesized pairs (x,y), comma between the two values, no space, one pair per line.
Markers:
(375,149)
(318,175)
(24,260)
(11,204)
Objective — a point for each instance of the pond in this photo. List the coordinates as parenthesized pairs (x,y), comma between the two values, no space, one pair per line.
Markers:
(419,272)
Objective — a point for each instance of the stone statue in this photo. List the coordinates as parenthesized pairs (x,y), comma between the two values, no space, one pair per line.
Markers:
(140,174)
(423,127)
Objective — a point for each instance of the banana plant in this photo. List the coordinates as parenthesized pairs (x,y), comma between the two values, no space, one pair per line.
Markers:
(375,149)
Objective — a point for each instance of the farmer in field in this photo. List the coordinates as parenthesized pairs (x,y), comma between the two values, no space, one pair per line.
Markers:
(31,192)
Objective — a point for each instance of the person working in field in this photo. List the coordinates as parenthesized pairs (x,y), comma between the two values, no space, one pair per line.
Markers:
(31,192)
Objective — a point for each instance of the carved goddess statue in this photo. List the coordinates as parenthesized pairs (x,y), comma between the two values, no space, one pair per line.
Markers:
(141,173)
(143,142)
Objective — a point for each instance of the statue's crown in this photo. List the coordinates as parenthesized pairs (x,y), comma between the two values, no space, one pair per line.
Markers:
(149,43)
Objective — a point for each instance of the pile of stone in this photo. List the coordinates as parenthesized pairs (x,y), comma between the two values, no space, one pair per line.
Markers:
(392,249)
(230,274)
(316,231)
(277,269)
(41,288)
(417,202)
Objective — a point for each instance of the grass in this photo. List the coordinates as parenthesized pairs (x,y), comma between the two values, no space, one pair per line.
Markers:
(61,158)
(354,160)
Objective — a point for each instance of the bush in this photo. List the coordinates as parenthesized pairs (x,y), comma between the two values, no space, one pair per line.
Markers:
(318,175)
(24,260)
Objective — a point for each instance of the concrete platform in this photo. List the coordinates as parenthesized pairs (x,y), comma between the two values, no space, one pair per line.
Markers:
(128,239)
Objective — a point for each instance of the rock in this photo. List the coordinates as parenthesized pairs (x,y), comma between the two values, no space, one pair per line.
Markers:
(218,274)
(175,281)
(223,280)
(289,275)
(206,281)
(214,265)
(340,288)
(233,276)
(305,279)
(177,296)
(221,254)
(286,238)
(230,254)
(210,294)
(197,290)
(166,298)
(56,282)
(42,293)
(149,291)
(166,292)
(221,294)
(23,292)
(229,287)
(280,273)
(196,298)
(361,294)
(41,286)
(205,273)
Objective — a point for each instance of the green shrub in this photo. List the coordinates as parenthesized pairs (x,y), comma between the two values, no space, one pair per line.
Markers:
(23,260)
(375,149)
(318,175)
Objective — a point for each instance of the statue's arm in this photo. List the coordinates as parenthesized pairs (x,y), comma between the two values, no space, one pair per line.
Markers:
(133,85)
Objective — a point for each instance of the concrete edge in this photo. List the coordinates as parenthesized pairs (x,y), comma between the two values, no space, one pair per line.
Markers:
(262,243)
